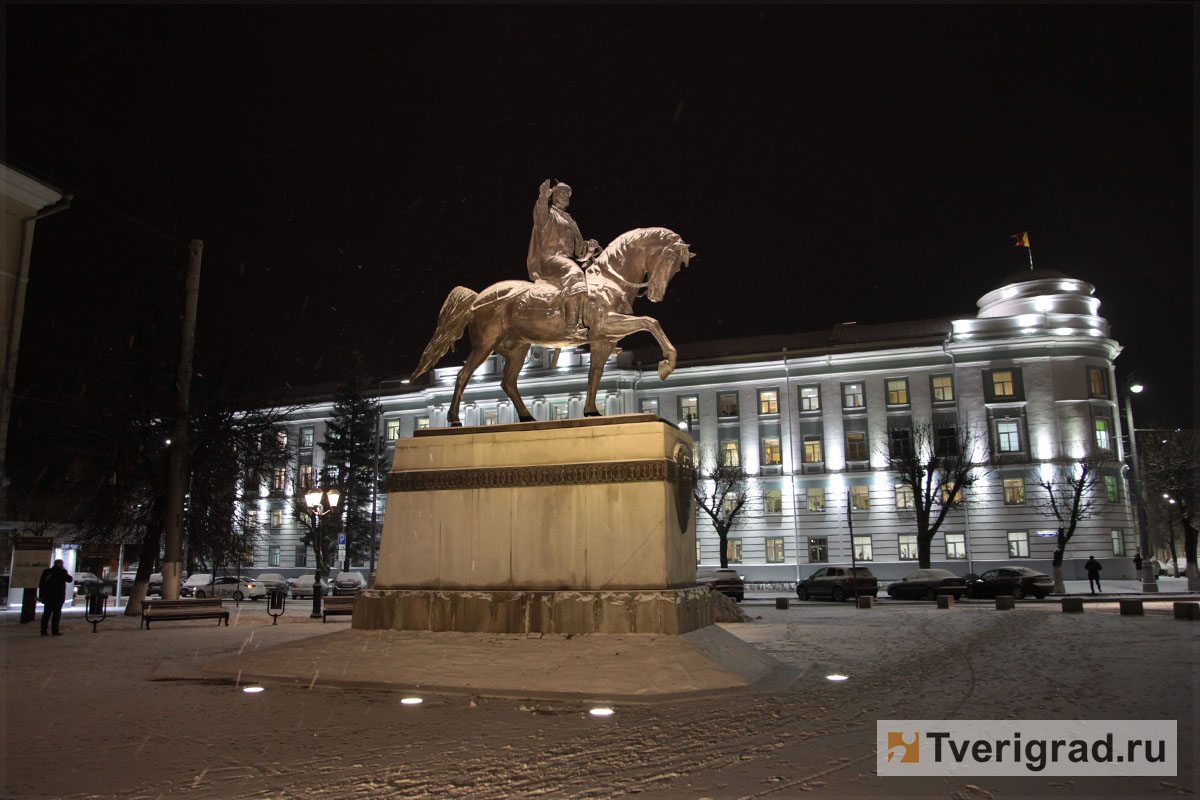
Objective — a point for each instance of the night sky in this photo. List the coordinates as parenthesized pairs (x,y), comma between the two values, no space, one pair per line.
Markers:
(345,167)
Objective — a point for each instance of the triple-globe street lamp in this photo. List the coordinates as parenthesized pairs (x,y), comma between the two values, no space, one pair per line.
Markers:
(319,502)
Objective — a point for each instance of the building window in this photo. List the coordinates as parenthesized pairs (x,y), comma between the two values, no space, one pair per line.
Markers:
(421,423)
(768,401)
(306,476)
(559,411)
(1118,542)
(947,499)
(491,417)
(860,499)
(733,550)
(727,404)
(276,518)
(775,552)
(816,499)
(812,450)
(818,549)
(862,548)
(772,453)
(391,430)
(897,391)
(689,408)
(306,439)
(956,545)
(301,556)
(1097,382)
(856,446)
(852,395)
(945,444)
(1014,491)
(908,547)
(904,496)
(648,405)
(273,555)
(942,388)
(729,453)
(1002,385)
(810,398)
(1103,434)
(1018,544)
(773,501)
(900,443)
(278,479)
(731,503)
(1008,436)
(1110,488)
(282,435)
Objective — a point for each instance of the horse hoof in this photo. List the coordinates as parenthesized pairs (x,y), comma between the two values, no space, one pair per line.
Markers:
(665,368)
(592,414)
(526,419)
(456,424)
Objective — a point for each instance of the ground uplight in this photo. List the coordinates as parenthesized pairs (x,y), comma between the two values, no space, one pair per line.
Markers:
(412,701)
(837,677)
(253,689)
(601,712)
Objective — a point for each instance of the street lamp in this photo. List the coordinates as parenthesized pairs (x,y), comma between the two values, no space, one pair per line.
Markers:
(320,502)
(1149,579)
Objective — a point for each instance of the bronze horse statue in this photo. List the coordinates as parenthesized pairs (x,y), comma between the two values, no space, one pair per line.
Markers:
(509,316)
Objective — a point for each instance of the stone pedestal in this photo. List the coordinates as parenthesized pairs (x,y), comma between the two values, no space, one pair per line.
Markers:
(576,526)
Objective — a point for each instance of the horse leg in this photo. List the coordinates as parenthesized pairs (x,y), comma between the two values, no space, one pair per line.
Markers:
(601,350)
(514,359)
(618,326)
(478,356)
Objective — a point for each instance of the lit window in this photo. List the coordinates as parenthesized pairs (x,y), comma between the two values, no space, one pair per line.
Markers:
(689,408)
(943,388)
(391,430)
(306,476)
(648,405)
(852,395)
(421,423)
(491,417)
(1097,382)
(1103,435)
(729,453)
(1014,491)
(956,545)
(856,446)
(897,391)
(276,519)
(1008,436)
(730,503)
(733,550)
(278,479)
(768,401)
(1118,542)
(818,549)
(860,499)
(862,548)
(282,439)
(559,411)
(1018,544)
(904,496)
(775,551)
(772,453)
(946,499)
(816,499)
(773,501)
(1110,488)
(812,450)
(1002,383)
(273,555)
(810,398)
(908,547)
(727,404)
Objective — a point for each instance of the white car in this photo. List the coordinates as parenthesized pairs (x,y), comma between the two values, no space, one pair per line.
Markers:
(348,583)
(303,587)
(267,581)
(205,585)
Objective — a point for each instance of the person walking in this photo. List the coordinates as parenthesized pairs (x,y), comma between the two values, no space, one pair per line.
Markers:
(1093,570)
(1137,563)
(52,591)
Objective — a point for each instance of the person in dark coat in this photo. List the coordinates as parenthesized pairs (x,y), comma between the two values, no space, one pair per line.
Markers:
(52,591)
(1137,563)
(1093,570)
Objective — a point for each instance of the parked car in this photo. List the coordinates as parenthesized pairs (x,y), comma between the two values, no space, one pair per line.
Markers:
(127,579)
(86,582)
(205,585)
(723,580)
(267,581)
(838,583)
(1016,581)
(927,584)
(303,587)
(348,583)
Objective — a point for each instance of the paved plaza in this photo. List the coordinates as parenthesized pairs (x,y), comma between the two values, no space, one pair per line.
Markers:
(122,713)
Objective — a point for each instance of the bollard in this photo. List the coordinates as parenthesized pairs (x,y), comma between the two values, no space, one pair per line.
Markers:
(1072,605)
(1132,608)
(1005,602)
(782,602)
(866,601)
(1187,611)
(945,601)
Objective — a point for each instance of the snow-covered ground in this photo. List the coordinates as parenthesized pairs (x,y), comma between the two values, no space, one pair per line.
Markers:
(113,715)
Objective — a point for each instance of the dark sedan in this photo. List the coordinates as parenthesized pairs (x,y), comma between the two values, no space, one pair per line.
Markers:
(927,584)
(1015,581)
(838,583)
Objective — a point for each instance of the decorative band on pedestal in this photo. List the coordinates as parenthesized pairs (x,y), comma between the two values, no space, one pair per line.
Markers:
(425,480)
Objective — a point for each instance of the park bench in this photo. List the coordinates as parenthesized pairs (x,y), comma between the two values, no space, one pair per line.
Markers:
(340,604)
(196,608)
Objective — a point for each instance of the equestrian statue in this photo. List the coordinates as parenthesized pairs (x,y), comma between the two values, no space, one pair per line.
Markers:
(577,294)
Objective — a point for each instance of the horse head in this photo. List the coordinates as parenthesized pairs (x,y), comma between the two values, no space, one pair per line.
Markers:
(662,265)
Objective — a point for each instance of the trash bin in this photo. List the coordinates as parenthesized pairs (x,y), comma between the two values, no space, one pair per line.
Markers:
(276,604)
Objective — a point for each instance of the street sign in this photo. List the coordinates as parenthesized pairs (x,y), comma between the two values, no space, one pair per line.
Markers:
(341,540)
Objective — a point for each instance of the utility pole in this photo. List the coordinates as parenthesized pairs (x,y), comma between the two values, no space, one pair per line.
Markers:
(178,466)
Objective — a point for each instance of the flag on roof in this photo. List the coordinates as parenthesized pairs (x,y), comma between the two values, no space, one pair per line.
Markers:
(1022,239)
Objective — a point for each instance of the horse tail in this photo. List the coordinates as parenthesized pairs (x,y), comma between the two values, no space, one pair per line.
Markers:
(452,319)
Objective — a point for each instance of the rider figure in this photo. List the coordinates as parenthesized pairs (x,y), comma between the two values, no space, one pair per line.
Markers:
(556,249)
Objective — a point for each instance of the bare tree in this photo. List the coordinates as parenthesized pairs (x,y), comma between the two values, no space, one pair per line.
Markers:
(1071,496)
(722,489)
(1171,463)
(935,464)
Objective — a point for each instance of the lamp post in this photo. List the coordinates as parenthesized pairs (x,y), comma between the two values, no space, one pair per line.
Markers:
(320,502)
(1149,579)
